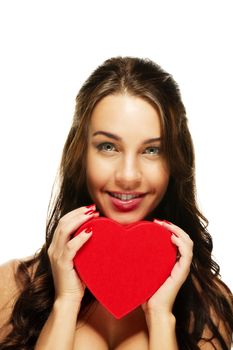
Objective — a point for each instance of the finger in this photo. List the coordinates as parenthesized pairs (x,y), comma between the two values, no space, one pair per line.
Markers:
(173,228)
(182,266)
(74,245)
(70,223)
(185,247)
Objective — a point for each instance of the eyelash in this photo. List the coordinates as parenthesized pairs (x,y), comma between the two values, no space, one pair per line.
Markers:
(101,146)
(155,148)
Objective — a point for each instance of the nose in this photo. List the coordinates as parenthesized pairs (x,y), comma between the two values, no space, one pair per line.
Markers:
(128,174)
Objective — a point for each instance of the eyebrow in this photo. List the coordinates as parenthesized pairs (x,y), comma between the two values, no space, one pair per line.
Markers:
(118,138)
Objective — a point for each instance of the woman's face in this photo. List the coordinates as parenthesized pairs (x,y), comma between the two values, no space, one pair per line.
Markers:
(127,174)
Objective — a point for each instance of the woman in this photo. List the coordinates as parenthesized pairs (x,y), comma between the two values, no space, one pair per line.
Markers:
(130,152)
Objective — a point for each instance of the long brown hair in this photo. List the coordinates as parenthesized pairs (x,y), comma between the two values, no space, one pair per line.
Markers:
(203,292)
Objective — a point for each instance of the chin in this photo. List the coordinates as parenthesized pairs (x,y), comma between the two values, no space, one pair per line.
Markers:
(125,218)
(126,221)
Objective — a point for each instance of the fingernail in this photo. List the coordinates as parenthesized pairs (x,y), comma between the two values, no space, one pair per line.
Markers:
(167,222)
(90,206)
(160,222)
(96,214)
(89,212)
(88,230)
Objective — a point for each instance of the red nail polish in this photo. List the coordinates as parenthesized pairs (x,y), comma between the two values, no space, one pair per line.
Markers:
(88,230)
(90,211)
(167,222)
(90,206)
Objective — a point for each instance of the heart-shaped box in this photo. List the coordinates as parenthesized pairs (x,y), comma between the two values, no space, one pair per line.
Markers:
(124,265)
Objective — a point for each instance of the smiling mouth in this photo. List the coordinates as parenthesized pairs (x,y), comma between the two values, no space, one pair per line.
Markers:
(126,196)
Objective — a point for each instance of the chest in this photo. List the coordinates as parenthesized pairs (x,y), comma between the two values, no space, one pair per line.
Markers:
(102,332)
(88,338)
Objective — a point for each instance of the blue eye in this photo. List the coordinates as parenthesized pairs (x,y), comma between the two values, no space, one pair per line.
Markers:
(152,150)
(106,146)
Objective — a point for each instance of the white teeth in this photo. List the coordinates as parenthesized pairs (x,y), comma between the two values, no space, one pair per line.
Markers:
(125,197)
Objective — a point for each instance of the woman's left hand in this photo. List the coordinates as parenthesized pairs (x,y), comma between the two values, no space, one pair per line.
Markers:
(162,301)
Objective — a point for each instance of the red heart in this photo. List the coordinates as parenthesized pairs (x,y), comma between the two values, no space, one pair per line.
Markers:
(123,266)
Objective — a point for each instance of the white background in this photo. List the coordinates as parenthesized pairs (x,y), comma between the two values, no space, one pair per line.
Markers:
(48,48)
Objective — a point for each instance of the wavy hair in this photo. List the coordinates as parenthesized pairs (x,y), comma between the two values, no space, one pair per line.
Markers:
(203,293)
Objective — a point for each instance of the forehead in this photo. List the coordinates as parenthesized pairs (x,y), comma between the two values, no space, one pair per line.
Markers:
(124,115)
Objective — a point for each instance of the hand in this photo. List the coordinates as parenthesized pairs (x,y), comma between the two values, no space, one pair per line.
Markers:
(62,251)
(162,301)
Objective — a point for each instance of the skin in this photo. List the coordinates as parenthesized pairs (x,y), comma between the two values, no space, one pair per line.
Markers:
(126,165)
(125,159)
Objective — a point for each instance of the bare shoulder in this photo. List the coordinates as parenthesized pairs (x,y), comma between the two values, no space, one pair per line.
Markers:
(9,281)
(9,291)
(222,293)
(8,285)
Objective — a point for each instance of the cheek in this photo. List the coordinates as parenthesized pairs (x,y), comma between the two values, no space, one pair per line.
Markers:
(159,178)
(97,173)
(92,174)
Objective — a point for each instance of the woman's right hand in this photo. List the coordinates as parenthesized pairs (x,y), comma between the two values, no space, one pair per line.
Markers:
(62,250)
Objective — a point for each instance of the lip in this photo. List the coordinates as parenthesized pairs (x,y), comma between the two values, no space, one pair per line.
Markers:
(128,205)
